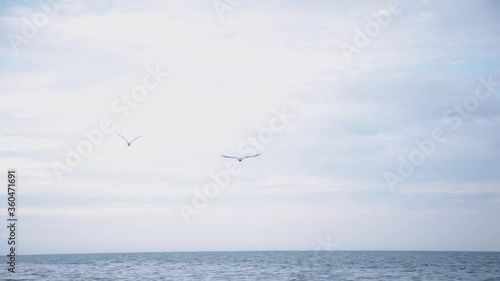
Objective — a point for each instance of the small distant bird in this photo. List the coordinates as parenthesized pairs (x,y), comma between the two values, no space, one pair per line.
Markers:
(128,142)
(240,158)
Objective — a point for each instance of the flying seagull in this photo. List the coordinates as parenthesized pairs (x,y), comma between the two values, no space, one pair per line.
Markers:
(241,158)
(128,142)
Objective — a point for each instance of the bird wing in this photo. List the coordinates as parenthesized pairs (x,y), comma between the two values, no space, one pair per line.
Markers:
(229,156)
(135,139)
(251,156)
(122,137)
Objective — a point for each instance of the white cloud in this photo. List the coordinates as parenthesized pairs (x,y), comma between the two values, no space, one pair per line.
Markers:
(226,78)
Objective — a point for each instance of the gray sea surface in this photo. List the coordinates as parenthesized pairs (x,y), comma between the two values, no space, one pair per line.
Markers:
(303,265)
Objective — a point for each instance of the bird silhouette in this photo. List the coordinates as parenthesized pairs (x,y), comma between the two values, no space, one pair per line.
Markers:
(128,142)
(240,158)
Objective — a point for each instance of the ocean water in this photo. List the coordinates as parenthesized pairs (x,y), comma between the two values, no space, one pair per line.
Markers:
(334,265)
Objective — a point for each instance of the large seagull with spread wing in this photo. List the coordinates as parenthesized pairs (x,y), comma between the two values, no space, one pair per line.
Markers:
(128,142)
(241,158)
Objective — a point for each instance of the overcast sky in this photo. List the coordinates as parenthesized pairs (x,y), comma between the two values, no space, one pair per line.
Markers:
(323,175)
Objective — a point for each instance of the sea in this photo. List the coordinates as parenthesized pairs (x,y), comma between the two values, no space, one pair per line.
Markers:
(300,265)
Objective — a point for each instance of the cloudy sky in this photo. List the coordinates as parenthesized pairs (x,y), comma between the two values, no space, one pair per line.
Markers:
(359,95)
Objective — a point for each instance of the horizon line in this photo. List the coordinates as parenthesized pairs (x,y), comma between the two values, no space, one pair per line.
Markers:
(243,251)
